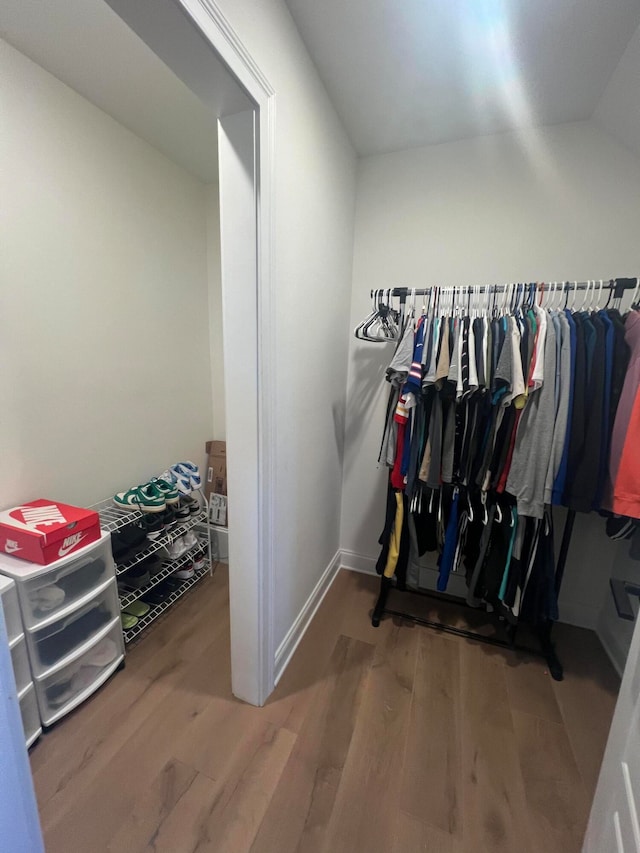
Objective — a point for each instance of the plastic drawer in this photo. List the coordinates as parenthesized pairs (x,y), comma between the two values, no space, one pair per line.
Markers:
(57,589)
(20,661)
(61,642)
(72,684)
(30,716)
(11,609)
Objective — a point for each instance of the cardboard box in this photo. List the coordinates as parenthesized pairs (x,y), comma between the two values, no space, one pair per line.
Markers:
(43,531)
(218,510)
(216,479)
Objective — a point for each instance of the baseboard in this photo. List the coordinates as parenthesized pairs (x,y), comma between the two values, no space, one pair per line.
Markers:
(296,632)
(358,562)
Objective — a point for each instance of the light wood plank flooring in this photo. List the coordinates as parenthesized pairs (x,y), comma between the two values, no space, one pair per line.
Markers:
(388,740)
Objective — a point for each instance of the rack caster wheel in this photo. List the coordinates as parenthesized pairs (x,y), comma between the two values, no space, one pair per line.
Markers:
(375,621)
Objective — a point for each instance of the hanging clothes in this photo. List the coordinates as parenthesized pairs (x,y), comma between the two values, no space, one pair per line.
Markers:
(492,419)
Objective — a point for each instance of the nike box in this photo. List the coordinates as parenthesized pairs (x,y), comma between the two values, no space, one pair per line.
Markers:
(43,531)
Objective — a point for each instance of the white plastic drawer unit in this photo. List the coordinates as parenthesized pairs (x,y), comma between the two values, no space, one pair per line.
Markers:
(63,640)
(11,608)
(47,592)
(20,661)
(30,715)
(70,685)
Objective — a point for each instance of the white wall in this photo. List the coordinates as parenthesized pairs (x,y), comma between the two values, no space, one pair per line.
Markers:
(215,312)
(314,202)
(618,109)
(104,339)
(557,203)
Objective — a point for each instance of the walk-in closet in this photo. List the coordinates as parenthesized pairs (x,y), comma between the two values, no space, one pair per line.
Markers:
(320,382)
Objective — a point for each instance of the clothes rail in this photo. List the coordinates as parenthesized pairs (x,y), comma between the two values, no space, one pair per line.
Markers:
(544,633)
(618,285)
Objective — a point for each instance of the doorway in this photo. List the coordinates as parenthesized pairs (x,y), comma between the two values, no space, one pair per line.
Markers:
(224,95)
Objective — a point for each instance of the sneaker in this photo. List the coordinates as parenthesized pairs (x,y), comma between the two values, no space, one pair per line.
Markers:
(190,471)
(153,564)
(184,572)
(182,482)
(168,518)
(176,549)
(147,498)
(153,525)
(173,583)
(182,511)
(190,540)
(157,595)
(169,490)
(128,541)
(192,505)
(135,578)
(199,562)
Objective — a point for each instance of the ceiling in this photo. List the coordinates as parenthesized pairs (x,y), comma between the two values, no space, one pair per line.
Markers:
(419,72)
(86,45)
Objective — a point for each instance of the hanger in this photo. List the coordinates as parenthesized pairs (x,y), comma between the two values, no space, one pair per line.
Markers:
(634,298)
(586,295)
(361,325)
(611,288)
(598,297)
(485,514)
(575,291)
(550,294)
(380,326)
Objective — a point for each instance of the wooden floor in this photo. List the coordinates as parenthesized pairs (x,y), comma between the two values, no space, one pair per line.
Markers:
(388,740)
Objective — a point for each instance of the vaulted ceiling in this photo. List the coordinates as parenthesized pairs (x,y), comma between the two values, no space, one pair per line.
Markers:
(418,72)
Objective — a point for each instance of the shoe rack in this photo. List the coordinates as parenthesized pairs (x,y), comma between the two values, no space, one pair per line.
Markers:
(114,518)
(19,658)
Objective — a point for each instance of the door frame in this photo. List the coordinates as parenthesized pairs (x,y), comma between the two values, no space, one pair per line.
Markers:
(251,533)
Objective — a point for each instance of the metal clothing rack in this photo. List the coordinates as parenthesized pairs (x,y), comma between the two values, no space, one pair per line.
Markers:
(547,647)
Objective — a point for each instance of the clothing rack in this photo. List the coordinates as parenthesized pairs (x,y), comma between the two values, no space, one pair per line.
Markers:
(547,647)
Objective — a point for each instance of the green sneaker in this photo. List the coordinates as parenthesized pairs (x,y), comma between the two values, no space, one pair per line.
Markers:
(168,490)
(147,498)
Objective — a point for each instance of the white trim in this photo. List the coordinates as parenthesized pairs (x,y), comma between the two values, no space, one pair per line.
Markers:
(296,632)
(214,26)
(358,563)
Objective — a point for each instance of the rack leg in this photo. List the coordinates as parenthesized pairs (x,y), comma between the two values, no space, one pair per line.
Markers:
(378,610)
(564,548)
(549,652)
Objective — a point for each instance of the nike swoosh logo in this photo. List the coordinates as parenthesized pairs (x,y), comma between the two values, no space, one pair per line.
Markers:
(11,549)
(63,551)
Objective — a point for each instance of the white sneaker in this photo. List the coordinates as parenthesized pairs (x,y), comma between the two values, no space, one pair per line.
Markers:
(189,471)
(199,562)
(181,480)
(176,549)
(190,540)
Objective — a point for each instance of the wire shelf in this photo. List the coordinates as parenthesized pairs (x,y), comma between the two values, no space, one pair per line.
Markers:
(158,609)
(163,541)
(168,568)
(113,518)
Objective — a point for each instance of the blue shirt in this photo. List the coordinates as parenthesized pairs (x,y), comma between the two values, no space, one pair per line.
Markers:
(561,476)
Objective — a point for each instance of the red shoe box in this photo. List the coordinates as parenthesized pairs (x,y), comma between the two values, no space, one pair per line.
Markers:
(43,531)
